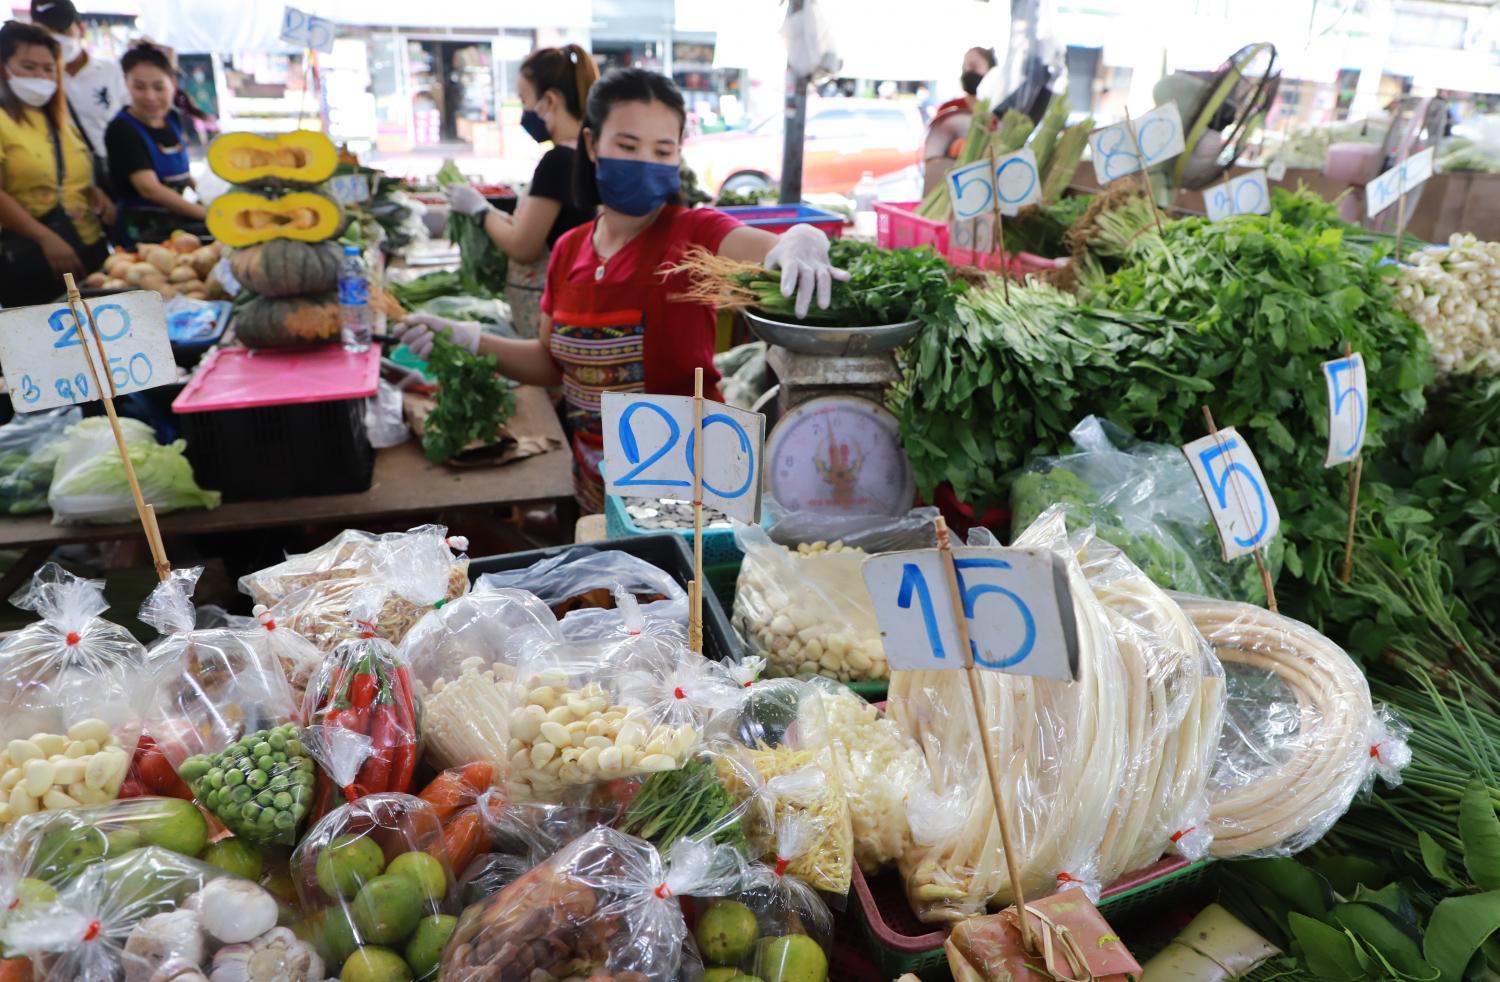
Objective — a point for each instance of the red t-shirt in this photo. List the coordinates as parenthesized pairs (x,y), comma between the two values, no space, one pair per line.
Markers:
(695,323)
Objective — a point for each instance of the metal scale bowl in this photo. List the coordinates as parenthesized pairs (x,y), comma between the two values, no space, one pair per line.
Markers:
(833,446)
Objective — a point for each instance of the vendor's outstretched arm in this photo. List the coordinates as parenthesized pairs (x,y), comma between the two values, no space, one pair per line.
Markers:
(527,360)
(150,187)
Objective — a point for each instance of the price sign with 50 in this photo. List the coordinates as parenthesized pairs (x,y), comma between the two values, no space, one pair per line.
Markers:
(42,351)
(1016,602)
(1012,177)
(1229,477)
(1125,148)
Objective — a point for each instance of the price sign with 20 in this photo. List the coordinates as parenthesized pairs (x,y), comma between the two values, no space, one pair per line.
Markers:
(1348,408)
(974,187)
(649,446)
(1016,602)
(1230,479)
(1125,148)
(41,349)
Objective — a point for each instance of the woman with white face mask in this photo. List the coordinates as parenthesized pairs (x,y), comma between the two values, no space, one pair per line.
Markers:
(50,209)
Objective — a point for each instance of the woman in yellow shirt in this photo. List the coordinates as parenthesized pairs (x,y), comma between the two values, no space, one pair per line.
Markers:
(50,208)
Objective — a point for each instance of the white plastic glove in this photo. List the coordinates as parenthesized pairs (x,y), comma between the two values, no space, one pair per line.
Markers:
(801,253)
(465,200)
(416,332)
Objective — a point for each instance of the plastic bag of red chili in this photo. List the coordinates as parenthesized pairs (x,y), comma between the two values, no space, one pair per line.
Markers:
(374,879)
(212,687)
(606,906)
(360,716)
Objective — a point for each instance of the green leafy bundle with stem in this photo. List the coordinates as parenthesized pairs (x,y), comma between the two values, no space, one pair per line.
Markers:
(472,401)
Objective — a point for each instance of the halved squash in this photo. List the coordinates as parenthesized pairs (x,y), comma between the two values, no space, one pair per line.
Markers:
(243,218)
(286,322)
(299,157)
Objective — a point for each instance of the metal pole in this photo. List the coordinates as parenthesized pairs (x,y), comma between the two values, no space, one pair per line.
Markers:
(794,127)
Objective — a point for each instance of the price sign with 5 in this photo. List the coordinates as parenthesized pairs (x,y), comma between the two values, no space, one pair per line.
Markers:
(1248,194)
(1230,479)
(307,31)
(1125,148)
(1387,189)
(649,447)
(42,351)
(1348,408)
(1016,602)
(1013,177)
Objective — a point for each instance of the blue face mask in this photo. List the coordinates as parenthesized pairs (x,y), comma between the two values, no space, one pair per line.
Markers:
(534,126)
(635,187)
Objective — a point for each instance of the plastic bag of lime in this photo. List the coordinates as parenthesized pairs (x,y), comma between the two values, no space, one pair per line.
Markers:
(374,881)
(260,786)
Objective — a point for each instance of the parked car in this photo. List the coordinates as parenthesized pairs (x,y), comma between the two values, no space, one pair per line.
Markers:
(844,138)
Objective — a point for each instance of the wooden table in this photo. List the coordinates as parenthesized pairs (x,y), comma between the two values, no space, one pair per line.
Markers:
(404,484)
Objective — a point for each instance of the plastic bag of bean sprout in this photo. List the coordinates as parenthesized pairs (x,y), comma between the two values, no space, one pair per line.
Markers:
(1300,736)
(211,686)
(1060,748)
(1176,709)
(606,907)
(152,913)
(776,753)
(269,633)
(375,879)
(413,571)
(579,585)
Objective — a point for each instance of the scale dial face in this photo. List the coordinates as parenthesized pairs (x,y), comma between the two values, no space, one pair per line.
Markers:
(839,454)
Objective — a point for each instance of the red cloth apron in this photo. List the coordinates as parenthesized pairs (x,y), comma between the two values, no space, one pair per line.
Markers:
(600,342)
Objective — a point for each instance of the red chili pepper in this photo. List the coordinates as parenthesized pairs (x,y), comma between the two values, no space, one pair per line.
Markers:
(385,731)
(362,692)
(157,774)
(404,754)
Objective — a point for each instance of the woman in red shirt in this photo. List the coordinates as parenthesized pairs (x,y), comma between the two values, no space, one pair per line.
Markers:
(610,322)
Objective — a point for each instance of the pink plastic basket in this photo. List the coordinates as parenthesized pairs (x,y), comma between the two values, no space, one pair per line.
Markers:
(897,226)
(245,378)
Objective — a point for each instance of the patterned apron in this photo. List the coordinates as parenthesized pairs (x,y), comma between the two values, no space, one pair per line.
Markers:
(523,291)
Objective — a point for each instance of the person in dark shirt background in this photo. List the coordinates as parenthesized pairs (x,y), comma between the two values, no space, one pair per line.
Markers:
(148,158)
(554,87)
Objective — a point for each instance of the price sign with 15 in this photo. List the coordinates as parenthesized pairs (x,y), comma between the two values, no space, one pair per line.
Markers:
(649,446)
(1016,602)
(1229,477)
(1125,148)
(45,364)
(307,31)
(1248,194)
(1387,189)
(1348,408)
(973,187)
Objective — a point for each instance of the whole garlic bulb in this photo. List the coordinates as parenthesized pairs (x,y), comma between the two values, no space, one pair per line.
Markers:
(278,954)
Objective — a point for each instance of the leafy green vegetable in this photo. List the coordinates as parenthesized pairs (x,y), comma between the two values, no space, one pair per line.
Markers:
(445,283)
(472,401)
(687,802)
(482,265)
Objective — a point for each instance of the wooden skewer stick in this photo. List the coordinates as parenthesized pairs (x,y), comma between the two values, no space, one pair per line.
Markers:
(695,616)
(1346,573)
(106,391)
(1401,203)
(1260,561)
(998,239)
(1012,861)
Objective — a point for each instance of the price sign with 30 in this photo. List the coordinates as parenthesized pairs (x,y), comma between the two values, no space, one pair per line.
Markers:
(41,350)
(1016,602)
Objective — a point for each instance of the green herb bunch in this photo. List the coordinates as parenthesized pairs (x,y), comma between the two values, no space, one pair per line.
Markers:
(472,401)
(686,802)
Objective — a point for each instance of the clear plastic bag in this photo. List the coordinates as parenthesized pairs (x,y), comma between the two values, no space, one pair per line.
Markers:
(57,847)
(1143,499)
(212,686)
(267,633)
(260,786)
(375,878)
(776,752)
(881,767)
(89,482)
(147,912)
(70,639)
(29,446)
(413,571)
(579,586)
(1174,703)
(1300,737)
(360,715)
(605,907)
(1061,751)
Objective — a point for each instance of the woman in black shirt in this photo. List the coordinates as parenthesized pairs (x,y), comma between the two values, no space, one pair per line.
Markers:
(148,157)
(554,87)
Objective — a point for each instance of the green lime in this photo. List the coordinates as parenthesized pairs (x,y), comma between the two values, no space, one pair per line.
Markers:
(726,932)
(117,842)
(794,958)
(425,949)
(348,862)
(424,870)
(386,910)
(29,891)
(64,852)
(236,856)
(176,825)
(372,964)
(337,932)
(720,973)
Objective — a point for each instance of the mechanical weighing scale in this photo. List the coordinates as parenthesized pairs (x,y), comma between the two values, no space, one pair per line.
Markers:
(832,445)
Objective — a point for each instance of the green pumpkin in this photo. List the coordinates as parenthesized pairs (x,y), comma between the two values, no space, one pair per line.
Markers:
(286,322)
(287,268)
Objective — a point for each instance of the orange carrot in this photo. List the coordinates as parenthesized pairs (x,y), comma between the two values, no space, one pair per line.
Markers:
(462,837)
(457,788)
(15,970)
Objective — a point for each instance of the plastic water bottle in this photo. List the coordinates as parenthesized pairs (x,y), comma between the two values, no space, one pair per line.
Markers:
(356,318)
(866,192)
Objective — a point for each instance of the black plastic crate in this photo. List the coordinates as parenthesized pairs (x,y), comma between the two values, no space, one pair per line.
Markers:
(283,451)
(663,550)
